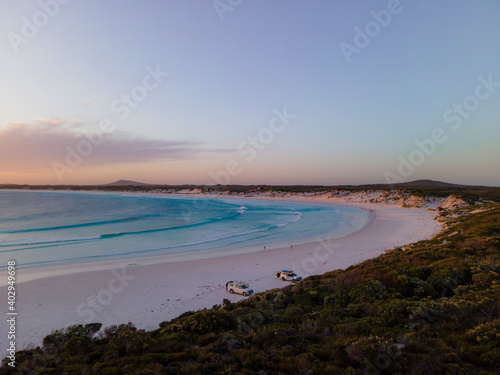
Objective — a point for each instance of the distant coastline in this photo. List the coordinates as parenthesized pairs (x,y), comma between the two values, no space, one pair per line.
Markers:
(419,188)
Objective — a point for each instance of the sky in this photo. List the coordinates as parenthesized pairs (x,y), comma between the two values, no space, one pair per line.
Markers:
(249,92)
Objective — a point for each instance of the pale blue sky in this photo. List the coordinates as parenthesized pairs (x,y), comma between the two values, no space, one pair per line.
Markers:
(354,120)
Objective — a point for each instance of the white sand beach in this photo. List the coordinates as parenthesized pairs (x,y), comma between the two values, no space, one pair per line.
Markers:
(147,291)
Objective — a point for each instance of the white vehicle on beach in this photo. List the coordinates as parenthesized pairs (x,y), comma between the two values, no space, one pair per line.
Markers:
(286,275)
(238,287)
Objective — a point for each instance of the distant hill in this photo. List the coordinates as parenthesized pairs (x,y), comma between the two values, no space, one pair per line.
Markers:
(428,183)
(126,183)
(417,184)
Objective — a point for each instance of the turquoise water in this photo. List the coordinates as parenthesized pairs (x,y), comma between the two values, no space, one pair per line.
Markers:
(53,228)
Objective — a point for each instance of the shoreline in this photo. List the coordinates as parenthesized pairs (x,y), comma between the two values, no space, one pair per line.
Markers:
(30,273)
(147,292)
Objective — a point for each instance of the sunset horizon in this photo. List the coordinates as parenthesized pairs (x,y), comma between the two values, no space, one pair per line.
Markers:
(214,184)
(331,94)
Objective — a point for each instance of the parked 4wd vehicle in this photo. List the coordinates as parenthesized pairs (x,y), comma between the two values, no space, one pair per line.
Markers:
(286,275)
(238,287)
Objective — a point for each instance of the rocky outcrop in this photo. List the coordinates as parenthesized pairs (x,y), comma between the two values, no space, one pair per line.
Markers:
(452,202)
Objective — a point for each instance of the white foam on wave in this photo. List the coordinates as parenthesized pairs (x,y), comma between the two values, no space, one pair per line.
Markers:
(221,236)
(295,217)
(44,241)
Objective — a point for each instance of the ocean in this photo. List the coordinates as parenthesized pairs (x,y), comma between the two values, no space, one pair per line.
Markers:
(51,228)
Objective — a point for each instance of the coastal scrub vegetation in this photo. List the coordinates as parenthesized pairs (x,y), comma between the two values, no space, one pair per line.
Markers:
(428,308)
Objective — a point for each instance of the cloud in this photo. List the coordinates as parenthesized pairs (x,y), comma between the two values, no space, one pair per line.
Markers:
(33,146)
